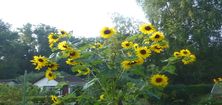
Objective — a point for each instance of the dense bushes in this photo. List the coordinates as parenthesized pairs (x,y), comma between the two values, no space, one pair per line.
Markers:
(13,95)
(185,94)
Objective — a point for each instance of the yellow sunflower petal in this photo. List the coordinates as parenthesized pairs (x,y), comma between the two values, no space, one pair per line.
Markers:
(107,32)
(159,80)
(147,28)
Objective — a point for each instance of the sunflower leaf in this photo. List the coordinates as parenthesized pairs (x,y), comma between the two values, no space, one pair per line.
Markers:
(169,68)
(90,83)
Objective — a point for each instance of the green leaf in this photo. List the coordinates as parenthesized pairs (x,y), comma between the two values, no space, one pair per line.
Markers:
(90,83)
(169,68)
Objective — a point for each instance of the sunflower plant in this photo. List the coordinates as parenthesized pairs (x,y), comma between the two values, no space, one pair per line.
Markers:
(118,69)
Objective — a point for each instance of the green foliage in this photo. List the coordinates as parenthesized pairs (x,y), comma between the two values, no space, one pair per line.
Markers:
(31,77)
(207,100)
(12,95)
(108,82)
(39,100)
(193,24)
(185,94)
(25,42)
(8,45)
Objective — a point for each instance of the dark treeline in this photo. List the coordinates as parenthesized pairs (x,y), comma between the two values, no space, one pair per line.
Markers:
(18,47)
(195,25)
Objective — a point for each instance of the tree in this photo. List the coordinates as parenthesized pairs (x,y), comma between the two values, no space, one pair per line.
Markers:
(41,32)
(18,48)
(125,25)
(9,44)
(194,24)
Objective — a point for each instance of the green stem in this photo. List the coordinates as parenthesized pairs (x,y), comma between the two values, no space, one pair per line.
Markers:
(24,99)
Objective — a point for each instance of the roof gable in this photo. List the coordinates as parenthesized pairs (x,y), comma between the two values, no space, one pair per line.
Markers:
(45,82)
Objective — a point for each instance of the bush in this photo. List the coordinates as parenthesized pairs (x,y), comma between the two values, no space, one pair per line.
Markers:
(10,95)
(185,94)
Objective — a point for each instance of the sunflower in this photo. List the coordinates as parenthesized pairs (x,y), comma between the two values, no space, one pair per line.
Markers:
(157,36)
(156,48)
(189,59)
(51,45)
(39,61)
(53,38)
(71,62)
(63,45)
(143,52)
(55,99)
(63,33)
(98,45)
(135,46)
(217,80)
(85,71)
(127,44)
(128,64)
(74,54)
(159,80)
(185,52)
(101,97)
(107,32)
(147,28)
(177,54)
(52,66)
(49,74)
(139,61)
(146,42)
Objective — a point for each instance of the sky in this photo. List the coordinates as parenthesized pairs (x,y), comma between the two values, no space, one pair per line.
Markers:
(84,17)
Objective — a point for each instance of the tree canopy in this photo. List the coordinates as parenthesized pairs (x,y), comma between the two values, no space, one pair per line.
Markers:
(193,24)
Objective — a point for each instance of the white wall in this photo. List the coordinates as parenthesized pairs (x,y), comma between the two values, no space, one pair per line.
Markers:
(45,82)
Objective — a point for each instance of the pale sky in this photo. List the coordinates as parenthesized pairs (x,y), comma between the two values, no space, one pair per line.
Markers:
(83,17)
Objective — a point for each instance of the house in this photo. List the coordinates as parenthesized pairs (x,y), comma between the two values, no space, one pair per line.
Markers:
(216,91)
(71,81)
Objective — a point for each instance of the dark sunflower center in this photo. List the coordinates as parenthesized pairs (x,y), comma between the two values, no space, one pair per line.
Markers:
(185,52)
(85,70)
(157,36)
(127,44)
(158,80)
(132,62)
(50,74)
(107,32)
(143,52)
(40,60)
(147,28)
(135,46)
(54,99)
(54,37)
(72,54)
(51,66)
(156,47)
(65,46)
(62,32)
